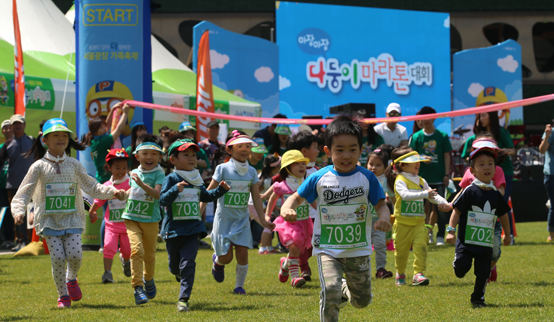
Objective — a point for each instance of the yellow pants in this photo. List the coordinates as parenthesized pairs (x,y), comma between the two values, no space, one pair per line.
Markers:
(143,238)
(406,238)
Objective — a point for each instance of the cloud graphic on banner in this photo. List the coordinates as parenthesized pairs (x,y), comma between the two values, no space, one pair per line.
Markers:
(508,64)
(447,22)
(474,89)
(283,83)
(286,109)
(218,60)
(264,74)
(513,90)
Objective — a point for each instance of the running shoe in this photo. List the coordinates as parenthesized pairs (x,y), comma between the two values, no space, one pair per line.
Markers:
(383,273)
(297,282)
(107,277)
(400,279)
(218,271)
(493,276)
(420,279)
(150,289)
(64,301)
(239,291)
(183,306)
(283,272)
(74,290)
(307,275)
(126,266)
(478,304)
(140,296)
(440,241)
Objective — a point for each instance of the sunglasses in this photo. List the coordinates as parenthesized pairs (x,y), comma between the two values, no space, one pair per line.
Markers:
(394,114)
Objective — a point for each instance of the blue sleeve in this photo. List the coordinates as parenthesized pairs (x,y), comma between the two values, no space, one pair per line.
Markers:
(218,174)
(254,174)
(211,195)
(169,191)
(308,188)
(376,192)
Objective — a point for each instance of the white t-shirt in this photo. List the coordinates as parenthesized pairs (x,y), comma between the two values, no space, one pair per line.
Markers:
(392,137)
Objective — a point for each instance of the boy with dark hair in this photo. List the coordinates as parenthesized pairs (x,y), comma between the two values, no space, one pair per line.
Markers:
(475,212)
(434,144)
(342,243)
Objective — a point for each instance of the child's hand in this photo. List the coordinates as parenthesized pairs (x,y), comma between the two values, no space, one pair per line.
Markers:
(382,225)
(432,193)
(181,185)
(126,108)
(445,207)
(120,194)
(93,216)
(289,215)
(18,220)
(31,218)
(507,240)
(137,180)
(451,238)
(225,185)
(267,218)
(268,225)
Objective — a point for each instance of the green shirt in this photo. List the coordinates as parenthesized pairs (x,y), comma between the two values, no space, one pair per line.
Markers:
(505,142)
(152,179)
(368,148)
(99,148)
(4,172)
(258,166)
(435,146)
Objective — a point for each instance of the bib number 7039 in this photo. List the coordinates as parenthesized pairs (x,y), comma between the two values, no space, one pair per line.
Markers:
(350,234)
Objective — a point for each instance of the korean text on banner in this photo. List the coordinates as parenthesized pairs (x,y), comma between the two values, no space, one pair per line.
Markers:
(204,93)
(19,82)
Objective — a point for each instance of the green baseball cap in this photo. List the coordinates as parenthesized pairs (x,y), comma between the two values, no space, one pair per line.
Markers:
(261,146)
(283,129)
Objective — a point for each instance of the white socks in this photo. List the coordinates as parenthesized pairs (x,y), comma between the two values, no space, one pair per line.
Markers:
(242,270)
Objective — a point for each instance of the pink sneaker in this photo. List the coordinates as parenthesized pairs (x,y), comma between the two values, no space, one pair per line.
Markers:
(283,272)
(420,279)
(74,290)
(493,276)
(64,301)
(297,282)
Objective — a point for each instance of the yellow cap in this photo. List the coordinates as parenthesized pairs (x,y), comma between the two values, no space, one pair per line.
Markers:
(491,95)
(292,156)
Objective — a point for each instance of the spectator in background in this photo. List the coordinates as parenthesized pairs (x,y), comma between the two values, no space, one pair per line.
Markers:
(214,149)
(392,133)
(202,161)
(268,132)
(435,145)
(280,138)
(8,134)
(14,150)
(547,148)
(371,140)
(138,129)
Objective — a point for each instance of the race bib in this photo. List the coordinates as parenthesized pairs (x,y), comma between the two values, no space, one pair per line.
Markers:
(343,226)
(480,229)
(412,208)
(140,204)
(238,196)
(60,197)
(116,208)
(187,205)
(302,212)
(374,216)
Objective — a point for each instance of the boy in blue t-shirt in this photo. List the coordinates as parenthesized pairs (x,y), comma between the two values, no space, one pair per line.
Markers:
(342,228)
(477,208)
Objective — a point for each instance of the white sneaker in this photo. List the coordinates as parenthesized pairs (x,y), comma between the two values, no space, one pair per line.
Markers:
(440,241)
(101,250)
(431,239)
(344,298)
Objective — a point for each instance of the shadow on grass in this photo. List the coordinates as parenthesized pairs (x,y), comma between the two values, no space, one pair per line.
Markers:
(541,283)
(217,307)
(100,306)
(454,284)
(14,318)
(514,305)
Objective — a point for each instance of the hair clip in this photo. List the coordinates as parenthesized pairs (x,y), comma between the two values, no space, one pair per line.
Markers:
(276,155)
(377,150)
(235,133)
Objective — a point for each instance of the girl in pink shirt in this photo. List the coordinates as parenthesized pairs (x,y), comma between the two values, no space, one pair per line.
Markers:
(116,232)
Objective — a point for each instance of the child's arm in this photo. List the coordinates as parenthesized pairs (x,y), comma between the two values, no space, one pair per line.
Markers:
(502,189)
(288,211)
(437,199)
(504,221)
(212,186)
(402,189)
(89,185)
(271,205)
(122,122)
(170,191)
(24,194)
(446,178)
(260,207)
(214,194)
(92,212)
(454,218)
(267,194)
(152,192)
(383,212)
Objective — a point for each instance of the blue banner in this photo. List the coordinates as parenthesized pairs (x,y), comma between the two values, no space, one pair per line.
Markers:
(485,76)
(246,66)
(113,61)
(332,55)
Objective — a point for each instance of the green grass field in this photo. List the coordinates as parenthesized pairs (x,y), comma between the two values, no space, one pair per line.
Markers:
(524,290)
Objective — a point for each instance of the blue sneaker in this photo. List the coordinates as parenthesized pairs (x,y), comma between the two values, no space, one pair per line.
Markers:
(239,291)
(218,271)
(150,289)
(140,296)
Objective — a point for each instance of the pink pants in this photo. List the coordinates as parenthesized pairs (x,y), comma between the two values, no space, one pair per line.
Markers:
(111,240)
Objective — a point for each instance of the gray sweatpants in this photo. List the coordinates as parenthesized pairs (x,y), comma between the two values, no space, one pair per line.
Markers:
(357,288)
(379,240)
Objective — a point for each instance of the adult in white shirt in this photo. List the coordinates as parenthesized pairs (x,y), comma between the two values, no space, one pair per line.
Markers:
(392,133)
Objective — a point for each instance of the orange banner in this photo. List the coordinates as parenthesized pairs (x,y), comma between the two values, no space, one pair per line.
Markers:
(204,93)
(19,81)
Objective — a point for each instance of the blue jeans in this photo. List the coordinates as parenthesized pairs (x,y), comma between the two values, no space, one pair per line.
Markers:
(507,194)
(549,185)
(181,252)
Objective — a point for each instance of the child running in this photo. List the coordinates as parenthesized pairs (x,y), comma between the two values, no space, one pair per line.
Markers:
(296,236)
(409,229)
(232,221)
(376,163)
(116,232)
(142,215)
(54,182)
(342,230)
(272,164)
(475,213)
(183,227)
